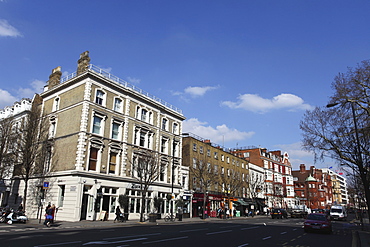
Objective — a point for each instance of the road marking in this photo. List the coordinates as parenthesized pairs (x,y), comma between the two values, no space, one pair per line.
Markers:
(195,230)
(211,233)
(133,236)
(114,242)
(76,242)
(243,245)
(283,233)
(266,238)
(248,228)
(164,240)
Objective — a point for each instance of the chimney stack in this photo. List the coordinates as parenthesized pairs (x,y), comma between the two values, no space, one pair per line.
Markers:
(83,63)
(54,78)
(302,168)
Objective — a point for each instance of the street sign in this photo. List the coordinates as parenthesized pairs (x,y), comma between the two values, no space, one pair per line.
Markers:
(46,185)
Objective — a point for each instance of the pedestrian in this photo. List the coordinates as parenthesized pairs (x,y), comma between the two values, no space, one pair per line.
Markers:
(47,207)
(20,208)
(227,213)
(48,216)
(53,212)
(118,214)
(234,213)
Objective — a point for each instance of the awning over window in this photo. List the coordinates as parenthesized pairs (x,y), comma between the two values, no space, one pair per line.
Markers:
(241,202)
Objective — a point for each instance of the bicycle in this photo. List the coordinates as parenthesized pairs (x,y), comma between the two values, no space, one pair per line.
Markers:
(169,217)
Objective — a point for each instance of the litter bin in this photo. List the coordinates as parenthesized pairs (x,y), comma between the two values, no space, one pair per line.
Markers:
(152,217)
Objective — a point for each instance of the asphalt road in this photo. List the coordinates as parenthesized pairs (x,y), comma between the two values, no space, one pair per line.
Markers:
(252,232)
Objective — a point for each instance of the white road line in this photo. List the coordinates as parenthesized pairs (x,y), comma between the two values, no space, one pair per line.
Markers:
(133,236)
(164,240)
(211,233)
(195,230)
(76,242)
(248,228)
(266,238)
(114,242)
(283,233)
(243,245)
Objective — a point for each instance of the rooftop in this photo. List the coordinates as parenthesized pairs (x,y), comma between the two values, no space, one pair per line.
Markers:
(124,83)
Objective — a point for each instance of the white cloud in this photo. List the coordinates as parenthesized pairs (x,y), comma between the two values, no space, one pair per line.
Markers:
(6,99)
(255,103)
(133,80)
(7,30)
(198,91)
(219,135)
(36,87)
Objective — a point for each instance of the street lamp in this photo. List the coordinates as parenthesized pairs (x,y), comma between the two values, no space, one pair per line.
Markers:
(358,145)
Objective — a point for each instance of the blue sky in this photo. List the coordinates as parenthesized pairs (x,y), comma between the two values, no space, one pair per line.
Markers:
(243,72)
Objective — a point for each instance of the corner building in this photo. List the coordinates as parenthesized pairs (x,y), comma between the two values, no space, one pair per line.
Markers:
(99,124)
(221,192)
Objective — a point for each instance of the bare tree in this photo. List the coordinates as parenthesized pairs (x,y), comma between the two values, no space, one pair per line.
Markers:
(7,139)
(31,147)
(205,175)
(233,183)
(146,167)
(255,184)
(343,130)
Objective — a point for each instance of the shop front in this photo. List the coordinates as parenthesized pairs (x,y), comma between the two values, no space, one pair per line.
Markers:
(212,203)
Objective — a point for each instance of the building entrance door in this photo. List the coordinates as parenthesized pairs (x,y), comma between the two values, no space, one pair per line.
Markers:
(85,198)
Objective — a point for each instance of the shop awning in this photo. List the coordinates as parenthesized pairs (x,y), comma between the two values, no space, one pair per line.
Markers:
(241,202)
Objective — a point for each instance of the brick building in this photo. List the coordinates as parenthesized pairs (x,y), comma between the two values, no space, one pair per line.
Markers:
(313,187)
(279,189)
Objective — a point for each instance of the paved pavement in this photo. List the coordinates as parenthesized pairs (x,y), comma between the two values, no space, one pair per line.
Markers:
(360,237)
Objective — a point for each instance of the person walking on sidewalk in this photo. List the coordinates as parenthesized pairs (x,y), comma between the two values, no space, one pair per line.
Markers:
(49,216)
(119,215)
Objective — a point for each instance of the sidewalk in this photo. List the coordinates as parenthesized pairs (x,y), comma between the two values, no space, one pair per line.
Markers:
(361,238)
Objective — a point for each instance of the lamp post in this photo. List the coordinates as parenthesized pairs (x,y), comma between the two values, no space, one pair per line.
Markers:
(358,145)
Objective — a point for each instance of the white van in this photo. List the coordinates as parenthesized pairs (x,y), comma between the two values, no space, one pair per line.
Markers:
(338,213)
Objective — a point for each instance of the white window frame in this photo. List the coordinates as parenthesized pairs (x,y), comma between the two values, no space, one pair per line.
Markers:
(164,124)
(118,107)
(119,134)
(101,98)
(102,123)
(56,104)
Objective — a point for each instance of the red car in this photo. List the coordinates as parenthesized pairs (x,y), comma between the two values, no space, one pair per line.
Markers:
(317,222)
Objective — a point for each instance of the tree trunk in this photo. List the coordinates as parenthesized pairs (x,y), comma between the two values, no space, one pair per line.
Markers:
(25,194)
(142,209)
(366,188)
(204,205)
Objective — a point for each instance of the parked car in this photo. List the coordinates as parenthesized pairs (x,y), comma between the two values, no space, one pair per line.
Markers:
(279,213)
(318,211)
(317,222)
